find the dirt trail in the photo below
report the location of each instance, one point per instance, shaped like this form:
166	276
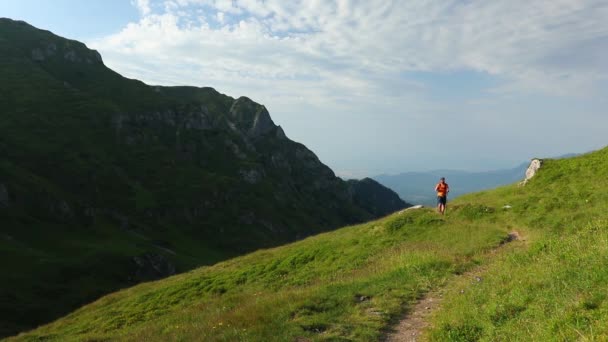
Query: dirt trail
412	327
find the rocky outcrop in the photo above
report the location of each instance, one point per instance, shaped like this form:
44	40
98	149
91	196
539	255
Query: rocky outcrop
251	176
280	133
73	52
251	118
152	266
535	165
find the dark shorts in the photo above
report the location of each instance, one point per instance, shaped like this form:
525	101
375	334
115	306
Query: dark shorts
442	199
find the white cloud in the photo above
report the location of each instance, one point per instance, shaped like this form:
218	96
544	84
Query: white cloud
332	57
220	17
515	39
143	6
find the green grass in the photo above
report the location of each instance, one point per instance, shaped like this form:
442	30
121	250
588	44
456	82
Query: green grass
555	288
354	283
347	284
60	143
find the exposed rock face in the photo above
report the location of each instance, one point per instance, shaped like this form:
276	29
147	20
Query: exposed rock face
152	266
74	52
280	134
4	199
251	176
252	125
535	165
262	123
175	153
71	56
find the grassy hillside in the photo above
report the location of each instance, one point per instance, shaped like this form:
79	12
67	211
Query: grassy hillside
349	284
352	284
557	287
106	181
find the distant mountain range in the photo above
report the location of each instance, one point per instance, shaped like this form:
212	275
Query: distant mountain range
418	187
106	181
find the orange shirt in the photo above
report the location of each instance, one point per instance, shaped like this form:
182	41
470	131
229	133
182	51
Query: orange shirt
442	189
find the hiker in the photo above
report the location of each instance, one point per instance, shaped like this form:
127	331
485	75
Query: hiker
442	189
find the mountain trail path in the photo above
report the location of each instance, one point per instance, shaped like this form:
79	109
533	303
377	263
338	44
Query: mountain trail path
413	326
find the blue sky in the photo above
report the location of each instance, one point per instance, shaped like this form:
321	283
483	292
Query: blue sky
373	86
76	19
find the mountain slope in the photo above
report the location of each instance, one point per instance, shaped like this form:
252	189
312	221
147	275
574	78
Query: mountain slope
106	181
374	196
351	284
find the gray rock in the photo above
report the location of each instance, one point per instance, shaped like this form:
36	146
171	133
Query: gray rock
251	176
262	123
535	165
280	134
363	298
279	161
38	55
152	266
118	122
51	49
250	118
4	197
235	149
271	227
71	56
197	120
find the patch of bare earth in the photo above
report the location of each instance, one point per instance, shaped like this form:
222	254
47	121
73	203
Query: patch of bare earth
416	321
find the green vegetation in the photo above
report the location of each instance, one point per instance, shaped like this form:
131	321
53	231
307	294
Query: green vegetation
347	284
354	283
106	182
98	171
554	287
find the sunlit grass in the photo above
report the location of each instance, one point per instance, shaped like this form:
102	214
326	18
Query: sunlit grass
352	284
345	284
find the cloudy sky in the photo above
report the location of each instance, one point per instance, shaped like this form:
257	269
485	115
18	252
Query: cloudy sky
373	86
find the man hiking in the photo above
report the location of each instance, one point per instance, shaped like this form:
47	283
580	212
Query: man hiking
442	189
